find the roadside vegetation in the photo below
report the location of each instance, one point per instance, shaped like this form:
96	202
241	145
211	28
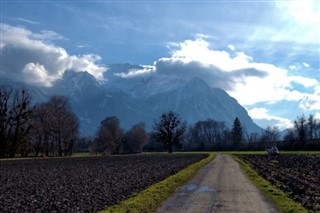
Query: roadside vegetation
151	198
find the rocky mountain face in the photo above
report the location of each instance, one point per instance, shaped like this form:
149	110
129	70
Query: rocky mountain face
143	99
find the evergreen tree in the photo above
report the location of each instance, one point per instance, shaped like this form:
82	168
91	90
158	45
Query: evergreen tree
237	134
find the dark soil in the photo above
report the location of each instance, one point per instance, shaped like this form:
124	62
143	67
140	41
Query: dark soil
297	175
82	184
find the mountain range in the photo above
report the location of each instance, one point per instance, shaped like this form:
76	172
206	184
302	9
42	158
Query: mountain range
142	99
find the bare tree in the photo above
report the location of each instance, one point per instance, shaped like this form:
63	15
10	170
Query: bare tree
271	134
169	129
15	113
40	132
5	119
206	135
109	136
300	126
134	139
56	128
312	126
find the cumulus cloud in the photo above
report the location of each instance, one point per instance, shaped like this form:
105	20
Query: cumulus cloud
33	58
262	114
248	81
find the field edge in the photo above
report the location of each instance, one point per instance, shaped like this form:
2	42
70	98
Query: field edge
282	201
150	199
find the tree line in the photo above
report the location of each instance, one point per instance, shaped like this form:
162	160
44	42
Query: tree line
52	129
212	135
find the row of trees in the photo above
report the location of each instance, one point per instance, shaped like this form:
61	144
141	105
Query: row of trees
170	133
204	135
215	135
49	129
305	134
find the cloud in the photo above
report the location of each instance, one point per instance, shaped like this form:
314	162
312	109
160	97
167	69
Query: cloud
231	47
306	64
293	67
83	45
306	82
261	115
146	69
248	81
33	58
27	21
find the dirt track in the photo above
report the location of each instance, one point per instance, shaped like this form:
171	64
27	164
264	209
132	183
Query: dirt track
220	186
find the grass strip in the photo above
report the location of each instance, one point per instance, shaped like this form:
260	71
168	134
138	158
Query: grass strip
283	202
150	199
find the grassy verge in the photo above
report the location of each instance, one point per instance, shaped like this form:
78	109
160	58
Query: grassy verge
282	201
149	199
264	152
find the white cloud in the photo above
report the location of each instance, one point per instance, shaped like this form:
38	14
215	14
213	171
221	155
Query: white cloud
83	46
137	72
306	64
293	67
243	78
33	58
36	74
263	114
317	116
306	82
231	47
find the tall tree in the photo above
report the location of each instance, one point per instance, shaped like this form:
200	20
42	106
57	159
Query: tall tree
134	139
56	128
15	113
109	136
271	134
312	127
169	129
206	135
300	126
237	134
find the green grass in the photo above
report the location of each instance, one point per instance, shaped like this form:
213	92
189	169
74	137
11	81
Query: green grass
264	152
74	155
150	199
281	199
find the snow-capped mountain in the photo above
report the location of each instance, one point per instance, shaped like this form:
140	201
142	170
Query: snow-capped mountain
142	99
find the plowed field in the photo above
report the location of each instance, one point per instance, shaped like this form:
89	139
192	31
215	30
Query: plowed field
82	184
297	175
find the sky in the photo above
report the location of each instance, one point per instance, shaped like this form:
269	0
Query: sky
266	54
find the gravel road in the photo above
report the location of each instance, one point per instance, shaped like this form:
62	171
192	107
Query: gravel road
220	186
